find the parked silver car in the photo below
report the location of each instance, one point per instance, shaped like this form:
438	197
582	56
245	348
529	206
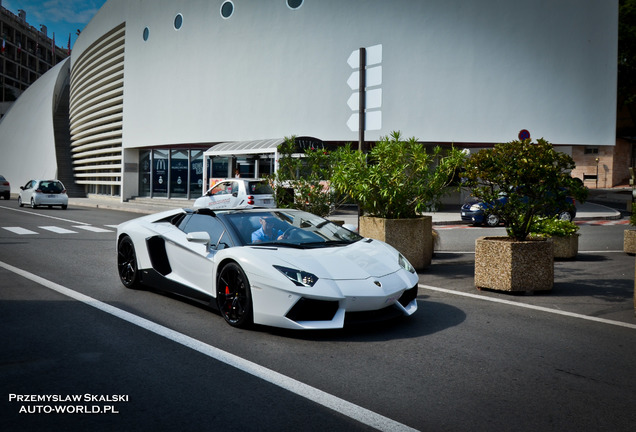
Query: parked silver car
43	193
5	188
237	193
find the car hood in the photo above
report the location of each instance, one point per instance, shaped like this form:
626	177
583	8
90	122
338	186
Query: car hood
361	260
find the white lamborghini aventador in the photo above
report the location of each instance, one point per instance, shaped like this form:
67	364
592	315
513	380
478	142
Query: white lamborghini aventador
277	267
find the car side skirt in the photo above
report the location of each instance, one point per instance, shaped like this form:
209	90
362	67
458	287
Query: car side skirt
152	278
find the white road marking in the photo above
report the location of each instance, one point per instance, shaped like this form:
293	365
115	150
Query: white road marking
315	395
529	306
58	230
92	228
43	215
20	231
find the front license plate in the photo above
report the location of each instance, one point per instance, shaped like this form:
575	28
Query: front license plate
463	213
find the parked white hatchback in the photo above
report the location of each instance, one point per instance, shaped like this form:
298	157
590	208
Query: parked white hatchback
237	193
43	193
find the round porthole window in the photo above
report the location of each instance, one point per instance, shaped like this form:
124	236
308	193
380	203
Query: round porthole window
146	34
227	9
178	21
294	4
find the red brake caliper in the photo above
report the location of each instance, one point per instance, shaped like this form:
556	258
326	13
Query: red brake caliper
227	298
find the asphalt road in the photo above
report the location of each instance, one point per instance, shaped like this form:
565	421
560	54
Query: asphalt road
467	360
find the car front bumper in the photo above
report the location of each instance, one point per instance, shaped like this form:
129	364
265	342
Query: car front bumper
327	306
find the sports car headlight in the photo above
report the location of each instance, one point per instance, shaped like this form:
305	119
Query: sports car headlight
475	207
405	264
298	277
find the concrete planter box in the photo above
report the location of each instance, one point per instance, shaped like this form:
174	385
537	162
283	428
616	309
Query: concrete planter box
629	241
412	237
566	247
504	264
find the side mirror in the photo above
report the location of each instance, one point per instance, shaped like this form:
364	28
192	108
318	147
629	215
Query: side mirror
200	237
22	187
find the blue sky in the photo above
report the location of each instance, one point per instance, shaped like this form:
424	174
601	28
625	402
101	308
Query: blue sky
63	17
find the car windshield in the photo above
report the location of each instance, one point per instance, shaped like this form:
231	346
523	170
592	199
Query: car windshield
291	228
259	188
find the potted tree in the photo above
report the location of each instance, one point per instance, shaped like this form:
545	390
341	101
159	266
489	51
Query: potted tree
301	180
564	235
393	184
520	181
629	236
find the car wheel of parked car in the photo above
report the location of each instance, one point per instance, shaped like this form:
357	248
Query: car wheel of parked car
64	207
233	296
566	216
33	204
20	204
127	263
492	220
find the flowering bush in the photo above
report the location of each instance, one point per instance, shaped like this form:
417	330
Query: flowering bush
553	227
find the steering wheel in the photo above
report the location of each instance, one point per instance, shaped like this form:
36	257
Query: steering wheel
289	232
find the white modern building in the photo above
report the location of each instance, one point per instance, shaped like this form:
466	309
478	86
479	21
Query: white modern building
152	85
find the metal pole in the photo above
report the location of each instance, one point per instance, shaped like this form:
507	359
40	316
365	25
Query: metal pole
362	98
596	173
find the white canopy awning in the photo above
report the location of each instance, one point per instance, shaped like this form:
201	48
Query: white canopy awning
234	148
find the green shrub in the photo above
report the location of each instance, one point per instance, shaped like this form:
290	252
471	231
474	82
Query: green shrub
534	177
552	227
397	178
301	181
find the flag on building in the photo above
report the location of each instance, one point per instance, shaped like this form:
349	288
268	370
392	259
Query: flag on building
3	45
69	44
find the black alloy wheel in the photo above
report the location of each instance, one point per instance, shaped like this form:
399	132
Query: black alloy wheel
127	263
233	296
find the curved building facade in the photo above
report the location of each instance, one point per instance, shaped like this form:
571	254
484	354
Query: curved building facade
156	83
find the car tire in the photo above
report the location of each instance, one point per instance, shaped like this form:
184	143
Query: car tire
64	207
233	296
566	216
127	263
492	220
20	203
33	206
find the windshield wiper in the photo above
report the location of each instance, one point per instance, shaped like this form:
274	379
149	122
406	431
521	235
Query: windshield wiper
275	243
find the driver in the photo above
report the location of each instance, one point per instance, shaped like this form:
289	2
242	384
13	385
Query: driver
267	232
